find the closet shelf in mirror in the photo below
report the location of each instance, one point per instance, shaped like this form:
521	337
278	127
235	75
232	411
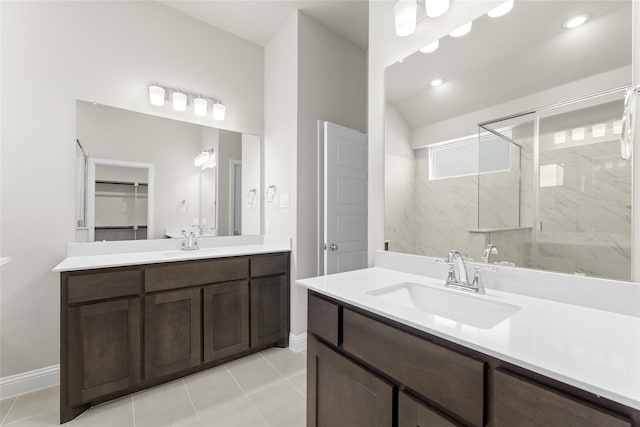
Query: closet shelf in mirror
141	184
493	230
119	227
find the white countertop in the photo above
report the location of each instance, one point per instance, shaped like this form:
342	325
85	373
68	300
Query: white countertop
594	350
86	256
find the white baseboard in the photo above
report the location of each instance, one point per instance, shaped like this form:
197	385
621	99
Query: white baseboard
27	382
298	343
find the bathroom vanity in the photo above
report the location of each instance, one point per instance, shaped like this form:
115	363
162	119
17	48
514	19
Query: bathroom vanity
385	348
133	320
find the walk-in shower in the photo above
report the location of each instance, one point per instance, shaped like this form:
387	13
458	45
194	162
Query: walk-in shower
565	202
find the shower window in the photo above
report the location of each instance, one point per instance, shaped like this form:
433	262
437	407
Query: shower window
464	158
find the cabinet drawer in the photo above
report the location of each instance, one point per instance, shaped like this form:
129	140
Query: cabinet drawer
186	273
523	403
97	286
324	319
265	265
413	413
451	380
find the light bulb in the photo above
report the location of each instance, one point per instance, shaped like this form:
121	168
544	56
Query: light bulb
577	134
156	95
436	82
501	10
461	31
617	127
431	47
179	101
559	137
598	130
405	12
575	22
200	107
219	111
436	8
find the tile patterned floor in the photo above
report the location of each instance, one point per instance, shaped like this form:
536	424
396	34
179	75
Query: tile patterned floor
267	389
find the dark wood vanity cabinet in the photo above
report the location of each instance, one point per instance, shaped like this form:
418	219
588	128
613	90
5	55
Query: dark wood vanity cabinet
172	341
426	381
225	320
345	394
103	342
124	329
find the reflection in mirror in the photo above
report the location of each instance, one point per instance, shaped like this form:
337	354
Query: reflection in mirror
518	147
141	177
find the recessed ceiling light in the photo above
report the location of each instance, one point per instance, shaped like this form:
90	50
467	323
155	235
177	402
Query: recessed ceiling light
431	47
501	10
575	22
436	82
461	31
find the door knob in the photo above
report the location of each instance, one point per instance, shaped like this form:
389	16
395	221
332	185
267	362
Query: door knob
333	247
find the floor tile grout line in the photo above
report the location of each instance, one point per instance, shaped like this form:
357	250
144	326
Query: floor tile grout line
9	410
193	405
133	411
246	396
30	415
28	418
286	377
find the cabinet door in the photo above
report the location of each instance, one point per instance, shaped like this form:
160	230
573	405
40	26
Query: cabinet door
341	393
226	320
521	402
269	310
413	413
172	332
103	349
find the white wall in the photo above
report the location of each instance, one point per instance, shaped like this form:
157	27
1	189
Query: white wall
280	136
52	54
384	49
331	86
311	74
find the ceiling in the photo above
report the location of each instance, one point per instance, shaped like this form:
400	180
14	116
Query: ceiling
523	52
258	20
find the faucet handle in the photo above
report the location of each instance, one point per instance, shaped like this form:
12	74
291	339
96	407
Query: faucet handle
477	279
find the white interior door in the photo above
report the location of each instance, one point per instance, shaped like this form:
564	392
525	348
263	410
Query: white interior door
344	184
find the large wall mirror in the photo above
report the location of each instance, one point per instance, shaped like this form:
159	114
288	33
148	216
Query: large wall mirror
509	136
146	177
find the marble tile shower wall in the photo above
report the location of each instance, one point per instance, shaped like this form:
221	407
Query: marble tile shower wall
586	221
400	204
445	211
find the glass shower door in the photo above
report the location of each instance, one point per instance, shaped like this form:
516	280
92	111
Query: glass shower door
583	215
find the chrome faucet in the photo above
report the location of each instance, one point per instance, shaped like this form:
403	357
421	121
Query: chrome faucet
490	250
457	277
189	242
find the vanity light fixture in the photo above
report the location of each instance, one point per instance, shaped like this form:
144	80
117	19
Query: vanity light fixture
431	47
598	130
179	101
461	31
575	22
501	10
435	8
156	95
405	13
559	137
201	158
200	106
577	134
219	111
436	82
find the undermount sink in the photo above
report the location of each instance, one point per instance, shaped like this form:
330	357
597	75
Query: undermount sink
470	309
179	252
